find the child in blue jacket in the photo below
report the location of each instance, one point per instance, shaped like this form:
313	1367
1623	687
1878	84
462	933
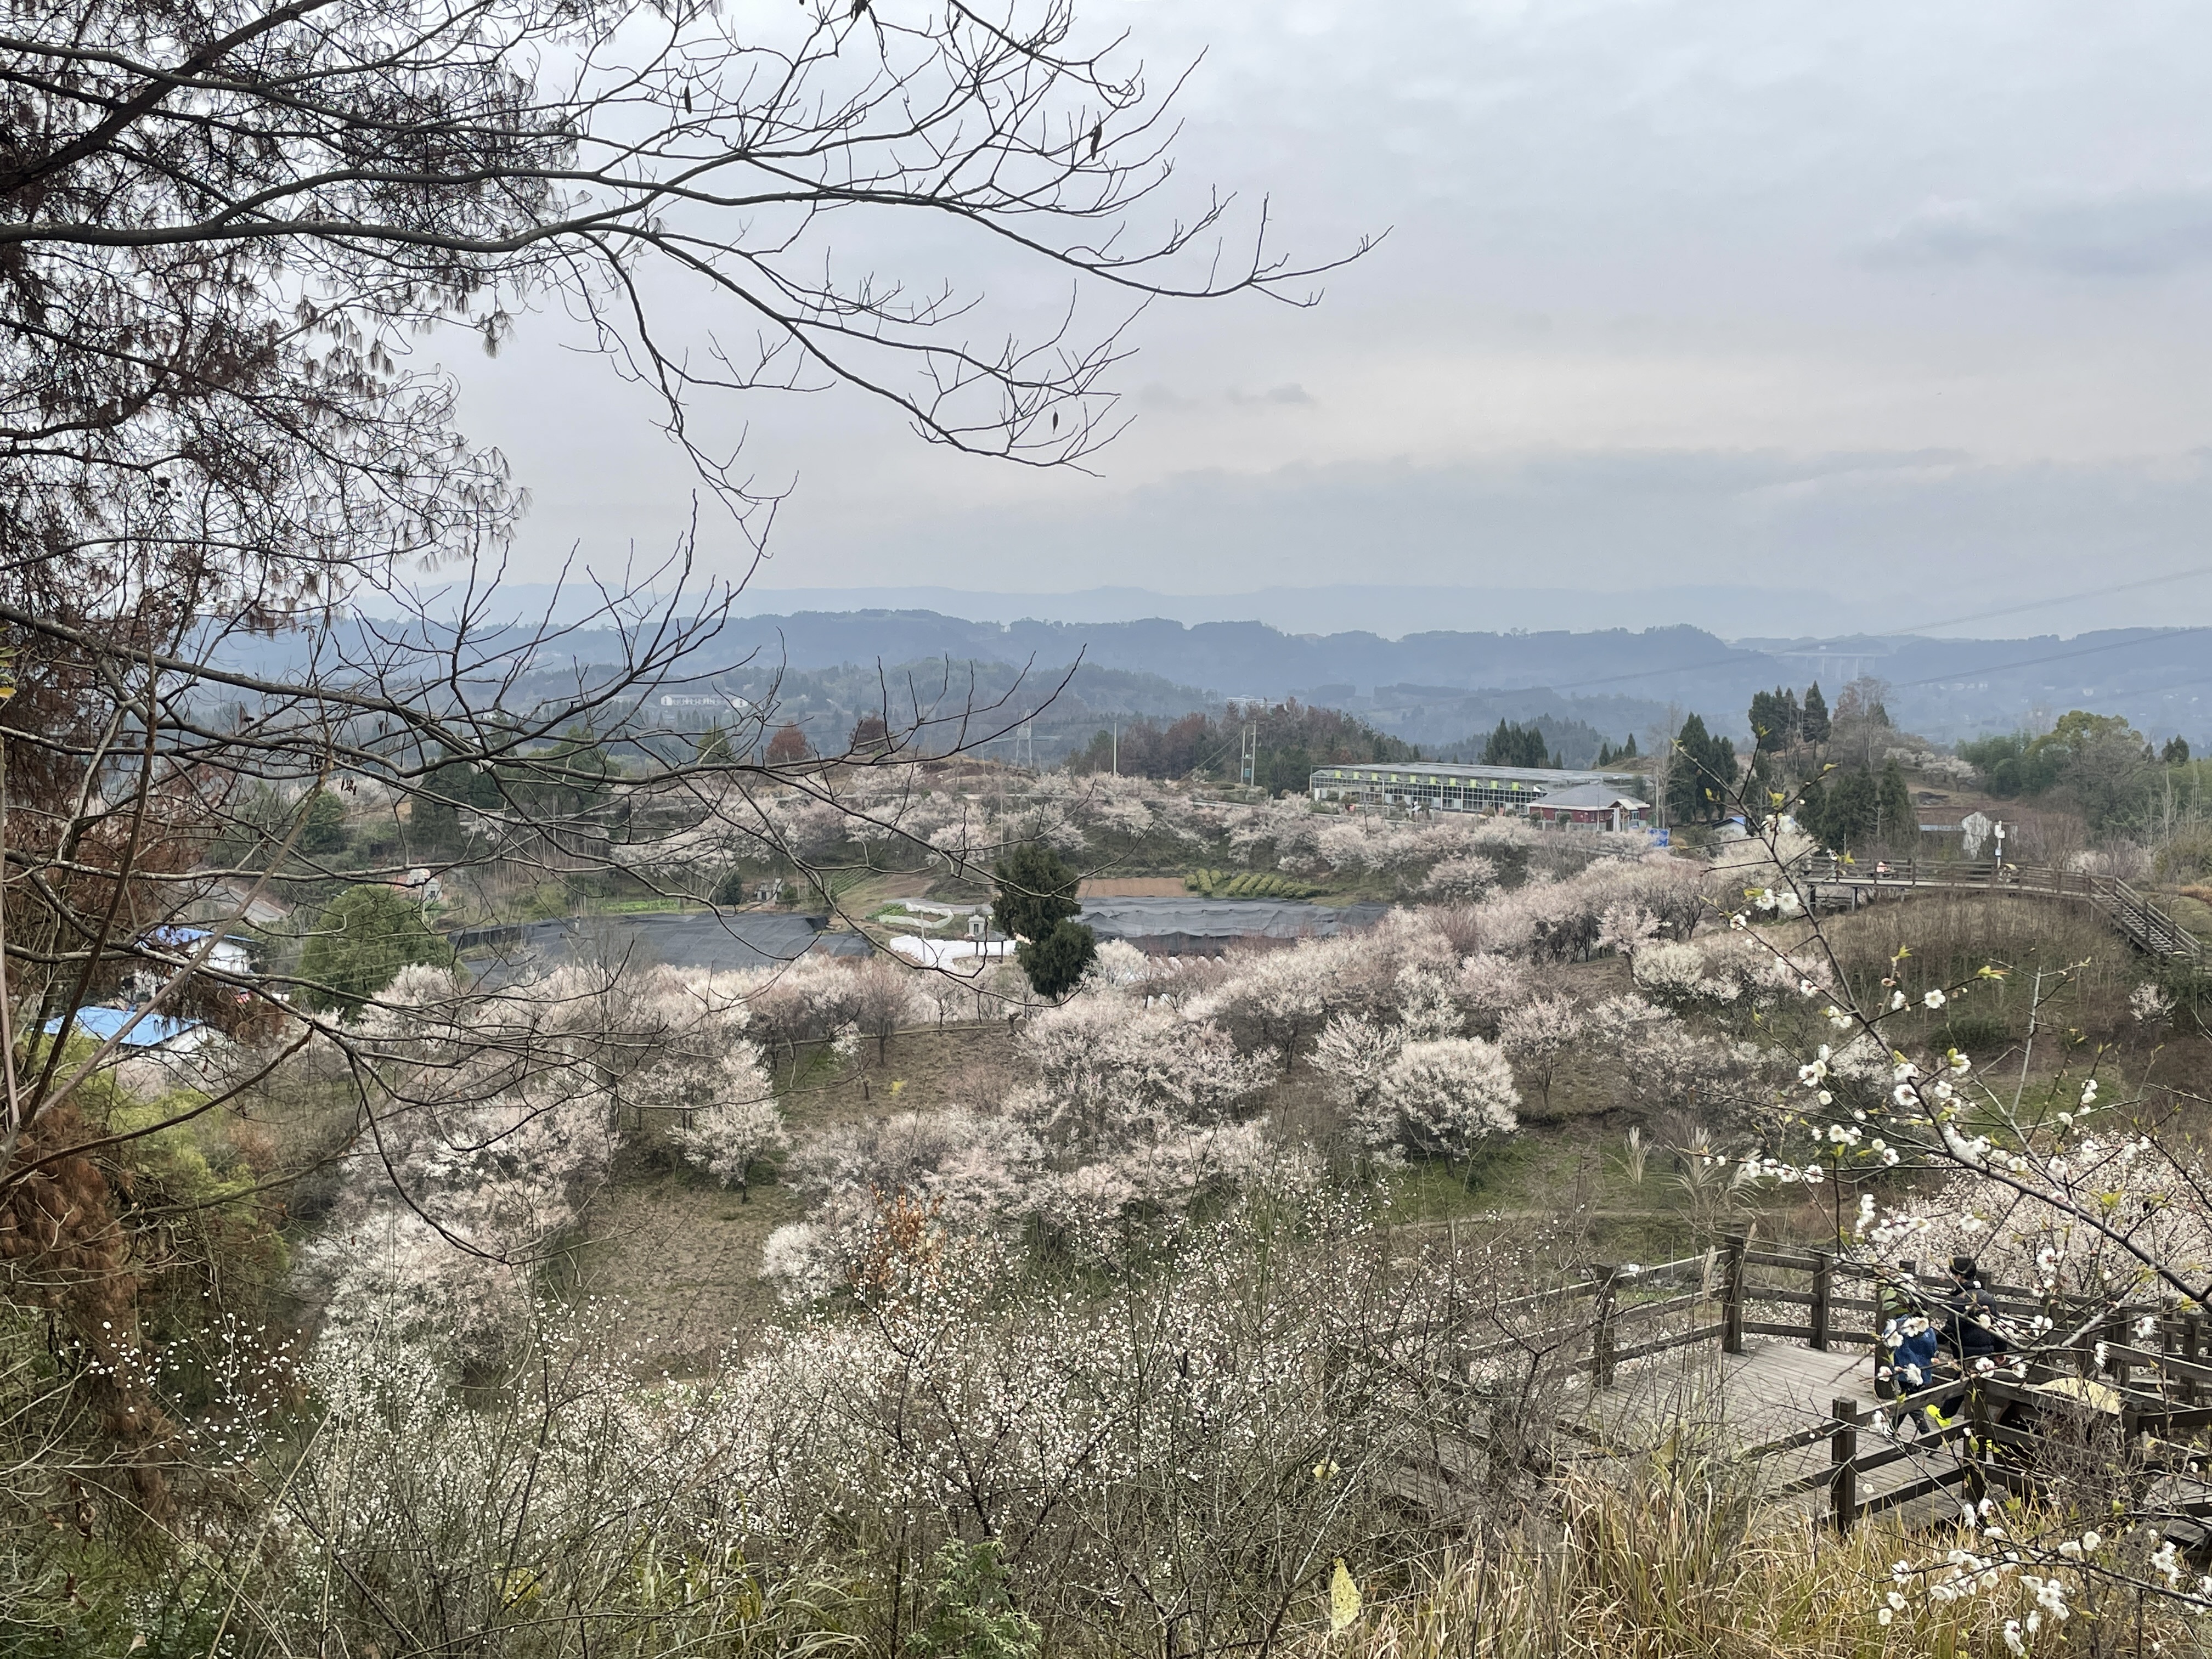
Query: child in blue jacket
1912	1342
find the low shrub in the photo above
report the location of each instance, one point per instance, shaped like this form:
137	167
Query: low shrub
2187	856
1979	1033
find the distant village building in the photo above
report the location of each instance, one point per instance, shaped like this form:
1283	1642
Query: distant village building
232	953
1598	805
128	1028
1444	786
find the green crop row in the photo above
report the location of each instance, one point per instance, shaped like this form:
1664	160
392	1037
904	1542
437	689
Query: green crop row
1247	883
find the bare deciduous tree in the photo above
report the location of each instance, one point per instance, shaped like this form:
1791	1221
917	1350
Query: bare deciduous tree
224	230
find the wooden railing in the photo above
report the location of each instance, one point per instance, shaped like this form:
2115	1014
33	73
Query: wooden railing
1830	880
1609	1317
2160	1391
1623	1302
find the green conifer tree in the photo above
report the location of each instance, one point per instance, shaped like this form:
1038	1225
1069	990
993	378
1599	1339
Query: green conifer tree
1703	781
1898	826
1813	718
1037	904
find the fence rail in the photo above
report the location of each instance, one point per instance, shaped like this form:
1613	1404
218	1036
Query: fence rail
2154	1392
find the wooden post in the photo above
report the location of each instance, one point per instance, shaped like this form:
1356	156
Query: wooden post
1824	1279
2116	1363
1601	1364
1843	1456
2192	1349
1734	1245
2040	1368
1977	1439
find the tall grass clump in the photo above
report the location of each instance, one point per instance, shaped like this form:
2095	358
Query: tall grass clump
1951	935
1657	1562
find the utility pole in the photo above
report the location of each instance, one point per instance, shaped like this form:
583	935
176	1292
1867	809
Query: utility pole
1249	765
1117	748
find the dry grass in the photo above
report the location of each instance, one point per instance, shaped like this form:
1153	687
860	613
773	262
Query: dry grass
1953	935
1663	1563
682	1255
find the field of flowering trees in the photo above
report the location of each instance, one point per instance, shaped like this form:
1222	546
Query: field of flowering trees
954	820
366	1295
848	1304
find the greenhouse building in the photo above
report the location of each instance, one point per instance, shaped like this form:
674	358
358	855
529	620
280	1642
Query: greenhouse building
1451	786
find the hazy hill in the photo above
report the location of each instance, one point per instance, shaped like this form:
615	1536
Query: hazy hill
1439	688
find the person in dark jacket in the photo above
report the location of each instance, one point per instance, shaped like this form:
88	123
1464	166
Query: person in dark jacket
1970	1331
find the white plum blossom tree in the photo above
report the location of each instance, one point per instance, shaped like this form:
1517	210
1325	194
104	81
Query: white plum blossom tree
1469	876
1490	985
1540	1035
1444	1099
1119	965
739	1126
1351	1054
1425	1008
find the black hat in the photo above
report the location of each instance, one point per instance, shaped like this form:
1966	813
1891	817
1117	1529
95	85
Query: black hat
1962	1267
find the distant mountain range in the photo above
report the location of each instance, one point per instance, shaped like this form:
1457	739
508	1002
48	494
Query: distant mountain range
1440	688
1389	611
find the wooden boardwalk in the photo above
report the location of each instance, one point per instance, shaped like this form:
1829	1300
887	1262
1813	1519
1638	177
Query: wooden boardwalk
1832	883
1766	1358
1782	1396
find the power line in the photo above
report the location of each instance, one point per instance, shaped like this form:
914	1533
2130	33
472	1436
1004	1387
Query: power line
2054	656
2068	599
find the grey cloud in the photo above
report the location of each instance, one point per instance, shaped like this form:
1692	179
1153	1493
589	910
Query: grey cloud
1903	539
1165	399
1632	189
2136	233
1155	396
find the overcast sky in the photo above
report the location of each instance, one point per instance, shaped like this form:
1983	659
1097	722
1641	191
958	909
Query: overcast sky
1887	299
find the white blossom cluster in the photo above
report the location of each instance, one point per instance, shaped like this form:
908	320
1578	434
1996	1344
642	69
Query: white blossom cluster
2047	1579
1729	971
953	1393
495	1117
1130	1113
959	821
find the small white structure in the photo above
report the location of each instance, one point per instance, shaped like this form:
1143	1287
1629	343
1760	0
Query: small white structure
959	956
229	954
